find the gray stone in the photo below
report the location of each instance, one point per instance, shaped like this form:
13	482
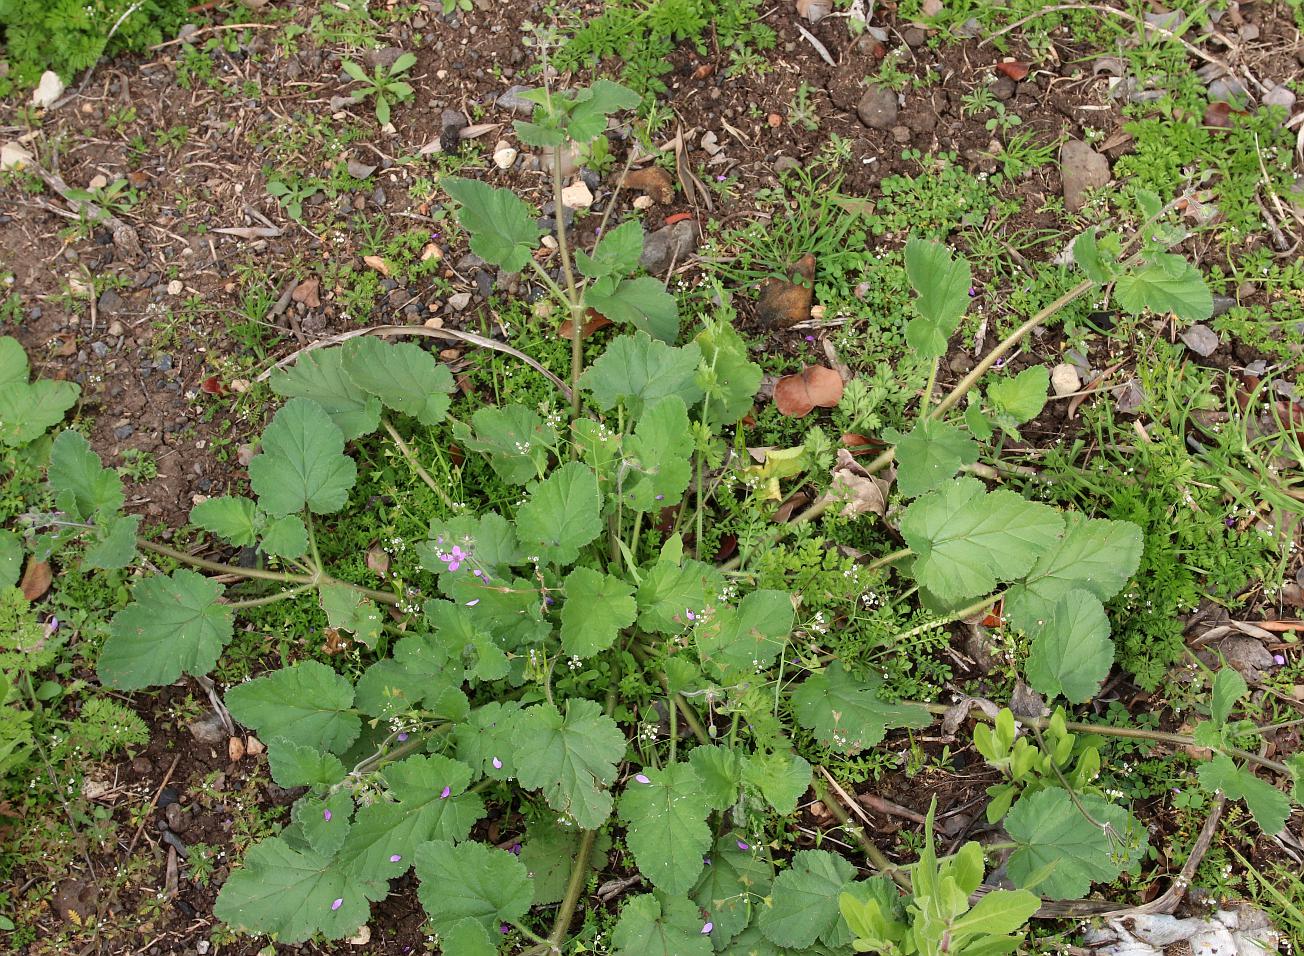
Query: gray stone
514	101
110	302
669	244
378	197
1081	169
123	432
1280	96
177	818
785	164
208	729
1201	340
878	108
1003	88
914	37
100	349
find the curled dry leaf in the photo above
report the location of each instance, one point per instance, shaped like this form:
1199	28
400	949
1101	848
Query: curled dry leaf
254	746
861	492
235	749
815	385
335	643
814	10
378	560
595	322
377	263
1014	69
36	579
308	292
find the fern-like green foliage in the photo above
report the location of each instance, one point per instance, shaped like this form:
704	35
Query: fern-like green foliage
641	34
68	36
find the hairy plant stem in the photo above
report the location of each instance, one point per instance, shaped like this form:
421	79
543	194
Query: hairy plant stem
572	291
1131	733
260	574
417	467
877	858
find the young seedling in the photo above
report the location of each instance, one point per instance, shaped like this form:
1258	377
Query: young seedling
383	85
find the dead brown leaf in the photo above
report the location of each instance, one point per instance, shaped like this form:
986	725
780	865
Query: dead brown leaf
1014	69
307	292
36	579
797	395
862	492
652	180
235	749
595	322
377	263
378	560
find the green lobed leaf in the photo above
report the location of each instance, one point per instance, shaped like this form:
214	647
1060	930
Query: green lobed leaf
1166	284
82	485
429	801
929	454
307	704
501	226
721	772
658	925
350	611
1229	688
174	625
781	779
13	361
295	894
312	826
571	757
967	540
548	852
285	537
1020	398
320	376
515	439
113	544
1268	805
294	765
11	557
847	714
941	284
1086	253
803	902
665	813
642	303
732	887
486	739
637	370
467	937
1071	651
421	673
1093	555
27	411
726	377
616	253
230	517
748	637
471	881
673	594
588	115
656	464
598	606
563	513
403	376
1054	838
302	463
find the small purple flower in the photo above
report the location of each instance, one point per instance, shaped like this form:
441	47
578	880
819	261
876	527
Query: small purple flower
707	927
661	497
337	904
744	846
706	861
1279	659
326	815
691	615
972	290
53	624
642	778
443	794
402	737
473	602
810	338
478	573
514	849
1229	522
721	178
395	858
498	764
504	929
